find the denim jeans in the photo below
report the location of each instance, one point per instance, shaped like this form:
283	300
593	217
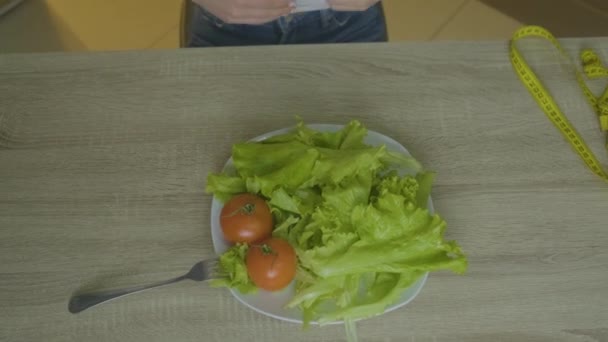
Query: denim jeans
314	27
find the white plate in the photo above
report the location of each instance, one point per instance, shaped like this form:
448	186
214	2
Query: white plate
272	303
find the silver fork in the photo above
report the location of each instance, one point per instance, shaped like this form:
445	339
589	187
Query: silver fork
201	271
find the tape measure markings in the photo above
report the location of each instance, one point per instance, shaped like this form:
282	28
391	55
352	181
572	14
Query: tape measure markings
592	67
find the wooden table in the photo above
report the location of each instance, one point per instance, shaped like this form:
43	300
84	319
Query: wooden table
103	160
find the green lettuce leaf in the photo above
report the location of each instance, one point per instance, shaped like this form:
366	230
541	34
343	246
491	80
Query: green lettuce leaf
233	270
425	183
350	137
224	186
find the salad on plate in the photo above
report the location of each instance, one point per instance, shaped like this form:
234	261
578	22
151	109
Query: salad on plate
345	226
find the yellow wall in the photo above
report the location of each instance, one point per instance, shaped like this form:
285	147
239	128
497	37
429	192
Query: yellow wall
51	25
75	25
43	25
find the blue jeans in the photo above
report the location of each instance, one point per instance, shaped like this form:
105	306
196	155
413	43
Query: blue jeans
315	27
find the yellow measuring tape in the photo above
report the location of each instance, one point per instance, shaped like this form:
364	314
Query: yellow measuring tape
592	67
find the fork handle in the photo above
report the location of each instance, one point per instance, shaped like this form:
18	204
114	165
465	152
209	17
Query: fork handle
84	301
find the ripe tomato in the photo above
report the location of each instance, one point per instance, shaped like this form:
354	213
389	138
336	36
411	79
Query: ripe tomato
271	264
246	218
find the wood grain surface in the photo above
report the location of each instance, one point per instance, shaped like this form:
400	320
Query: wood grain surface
103	159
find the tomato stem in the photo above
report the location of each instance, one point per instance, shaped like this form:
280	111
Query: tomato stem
247	209
267	250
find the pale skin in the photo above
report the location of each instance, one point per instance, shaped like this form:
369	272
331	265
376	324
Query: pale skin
262	11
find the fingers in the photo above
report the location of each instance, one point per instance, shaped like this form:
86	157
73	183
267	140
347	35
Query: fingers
351	5
264	4
250	11
254	16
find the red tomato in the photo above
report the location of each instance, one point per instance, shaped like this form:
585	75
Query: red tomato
246	218
271	265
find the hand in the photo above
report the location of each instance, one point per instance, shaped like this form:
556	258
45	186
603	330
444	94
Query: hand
247	11
351	5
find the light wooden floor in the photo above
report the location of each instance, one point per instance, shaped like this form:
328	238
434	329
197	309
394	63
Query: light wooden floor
74	25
